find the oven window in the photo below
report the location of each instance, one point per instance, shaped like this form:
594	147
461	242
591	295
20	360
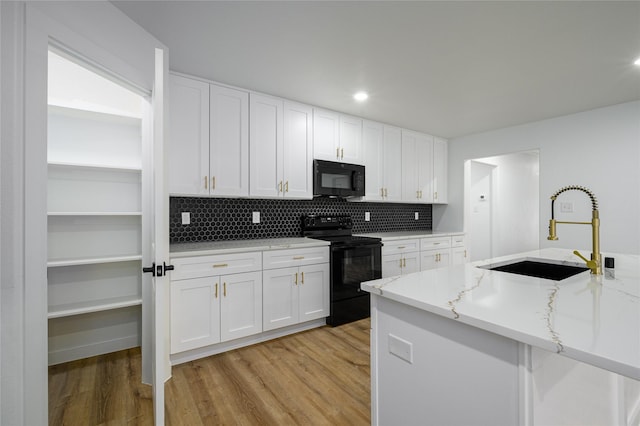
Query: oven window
336	180
351	266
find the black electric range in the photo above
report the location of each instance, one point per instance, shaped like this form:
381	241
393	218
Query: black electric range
354	259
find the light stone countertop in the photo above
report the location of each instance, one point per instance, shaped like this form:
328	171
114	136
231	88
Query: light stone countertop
592	319
400	235
241	246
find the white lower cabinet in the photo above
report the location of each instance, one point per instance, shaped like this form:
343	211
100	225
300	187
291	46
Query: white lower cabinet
294	295
409	255
459	252
400	257
435	252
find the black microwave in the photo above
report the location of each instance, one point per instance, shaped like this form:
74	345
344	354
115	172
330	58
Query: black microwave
333	179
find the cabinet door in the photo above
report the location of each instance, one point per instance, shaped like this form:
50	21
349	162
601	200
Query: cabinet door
424	162
372	140
195	313
391	265
440	159
326	135
314	292
189	137
409	167
392	162
280	297
432	259
298	151
229	142
350	139
410	262
459	256
240	305
266	142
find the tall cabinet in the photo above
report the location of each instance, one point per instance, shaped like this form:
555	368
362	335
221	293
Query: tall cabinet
95	227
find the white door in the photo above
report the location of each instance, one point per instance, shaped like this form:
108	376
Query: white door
424	158
350	139
297	153
265	130
440	170
241	305
326	135
392	163
372	140
85	31
314	292
280	300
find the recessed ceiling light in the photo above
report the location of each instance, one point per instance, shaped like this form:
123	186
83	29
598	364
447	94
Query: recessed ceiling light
637	62
361	96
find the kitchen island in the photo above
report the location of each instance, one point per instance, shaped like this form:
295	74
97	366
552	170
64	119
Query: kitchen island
468	345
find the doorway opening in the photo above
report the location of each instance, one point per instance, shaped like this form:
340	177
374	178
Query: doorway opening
502	204
95	225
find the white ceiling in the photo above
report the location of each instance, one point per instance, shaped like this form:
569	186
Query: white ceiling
446	68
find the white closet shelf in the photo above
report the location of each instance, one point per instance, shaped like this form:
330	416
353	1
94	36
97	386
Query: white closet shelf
94	214
79	308
95	166
93	111
92	260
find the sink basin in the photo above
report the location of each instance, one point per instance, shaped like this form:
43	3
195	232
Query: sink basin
537	268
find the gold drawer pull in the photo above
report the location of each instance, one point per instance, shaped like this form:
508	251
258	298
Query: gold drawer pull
401	247
342	153
286	187
220	265
216	293
213	182
206	182
337	152
302	273
436	244
296	279
298	257
224	289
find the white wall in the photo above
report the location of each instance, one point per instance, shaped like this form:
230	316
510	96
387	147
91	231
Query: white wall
480	199
599	149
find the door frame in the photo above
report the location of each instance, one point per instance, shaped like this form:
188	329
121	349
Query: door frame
86	28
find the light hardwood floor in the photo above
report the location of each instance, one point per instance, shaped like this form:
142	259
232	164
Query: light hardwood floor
318	377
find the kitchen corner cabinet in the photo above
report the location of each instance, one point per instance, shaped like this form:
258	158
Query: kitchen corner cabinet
94	232
297	292
281	148
215	299
209	139
382	154
337	137
400	257
459	251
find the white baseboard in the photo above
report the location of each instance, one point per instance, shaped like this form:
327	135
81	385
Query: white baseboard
99	348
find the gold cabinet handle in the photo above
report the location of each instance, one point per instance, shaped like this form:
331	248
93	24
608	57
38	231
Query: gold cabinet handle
435	195
337	152
404	262
220	265
401	247
436	244
280	187
386	193
206	182
213	182
216	292
382	192
465	253
224	289
286	187
417	194
401	263
342	153
302	278
298	257
295	281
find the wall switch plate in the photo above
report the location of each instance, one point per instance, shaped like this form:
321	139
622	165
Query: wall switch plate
417	216
566	207
367	216
256	217
401	348
186	218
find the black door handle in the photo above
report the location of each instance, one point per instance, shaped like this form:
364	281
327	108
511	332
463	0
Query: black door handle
151	269
168	267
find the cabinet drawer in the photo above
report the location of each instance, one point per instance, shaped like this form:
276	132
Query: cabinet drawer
435	243
220	264
295	257
458	240
400	246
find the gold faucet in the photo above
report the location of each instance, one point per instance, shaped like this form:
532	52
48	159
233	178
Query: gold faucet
595	264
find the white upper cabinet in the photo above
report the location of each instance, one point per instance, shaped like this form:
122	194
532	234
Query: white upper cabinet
188	136
373	158
392	161
417	167
440	159
337	137
209	139
298	151
229	141
281	148
266	143
350	139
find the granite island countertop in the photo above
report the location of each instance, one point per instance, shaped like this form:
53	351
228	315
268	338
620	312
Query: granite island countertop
206	248
592	319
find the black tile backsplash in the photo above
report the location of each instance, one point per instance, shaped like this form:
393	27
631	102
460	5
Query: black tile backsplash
231	218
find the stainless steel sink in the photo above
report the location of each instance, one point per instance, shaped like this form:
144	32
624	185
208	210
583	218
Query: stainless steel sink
539	268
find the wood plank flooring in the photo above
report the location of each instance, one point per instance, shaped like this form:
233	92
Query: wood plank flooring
317	377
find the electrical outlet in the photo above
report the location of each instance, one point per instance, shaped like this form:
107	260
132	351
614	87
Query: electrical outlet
186	218
417	216
256	217
401	348
566	207
367	216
